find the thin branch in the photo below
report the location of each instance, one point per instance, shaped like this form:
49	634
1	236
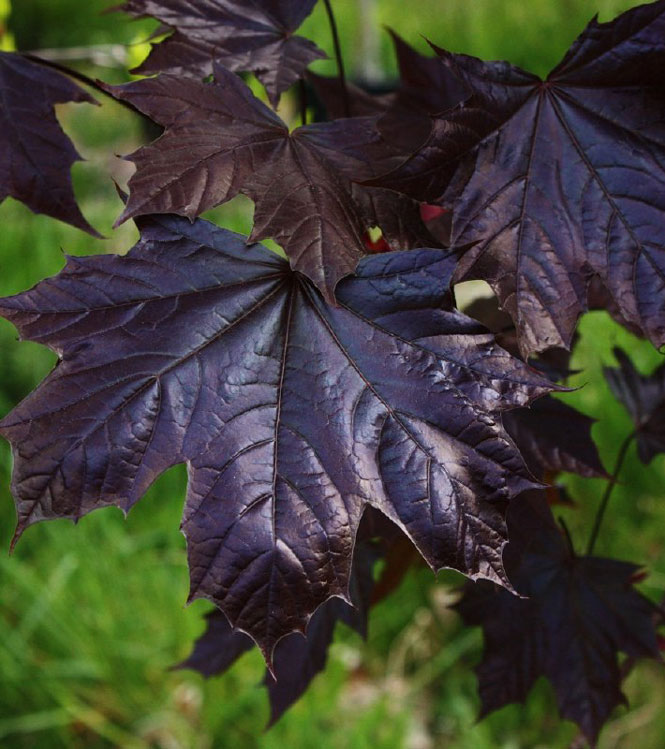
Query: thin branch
338	55
303	102
608	492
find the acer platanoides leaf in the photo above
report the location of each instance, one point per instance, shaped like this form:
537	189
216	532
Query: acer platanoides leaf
241	36
292	415
35	154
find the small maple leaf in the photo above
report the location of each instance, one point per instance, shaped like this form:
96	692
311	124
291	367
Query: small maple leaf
567	181
293	415
221	140
644	399
580	612
256	37
35	154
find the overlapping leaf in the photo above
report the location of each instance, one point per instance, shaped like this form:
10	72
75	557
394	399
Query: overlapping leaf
581	612
644	399
298	659
569	184
35	154
241	36
292	414
221	140
552	436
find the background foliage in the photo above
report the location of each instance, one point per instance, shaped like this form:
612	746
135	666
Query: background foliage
91	618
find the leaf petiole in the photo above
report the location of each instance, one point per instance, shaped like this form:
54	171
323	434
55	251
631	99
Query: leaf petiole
608	491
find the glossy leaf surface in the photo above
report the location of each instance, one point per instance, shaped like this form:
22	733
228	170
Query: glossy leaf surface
568	185
241	36
221	140
292	415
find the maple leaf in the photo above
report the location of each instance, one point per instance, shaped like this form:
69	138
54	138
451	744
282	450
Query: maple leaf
333	96
298	659
427	87
293	415
256	37
221	140
35	154
644	399
569	184
552	436
580	613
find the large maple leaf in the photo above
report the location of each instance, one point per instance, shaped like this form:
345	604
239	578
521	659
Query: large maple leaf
568	184
580	613
35	154
221	140
293	415
241	36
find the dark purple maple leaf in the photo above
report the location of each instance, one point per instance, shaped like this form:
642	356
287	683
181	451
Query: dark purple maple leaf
427	87
569	183
35	154
298	659
293	415
221	140
644	399
552	437
256	36
580	613
332	95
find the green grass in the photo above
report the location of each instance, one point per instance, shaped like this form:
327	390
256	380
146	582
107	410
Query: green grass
92	616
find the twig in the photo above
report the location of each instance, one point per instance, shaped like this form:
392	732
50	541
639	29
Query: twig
608	492
338	55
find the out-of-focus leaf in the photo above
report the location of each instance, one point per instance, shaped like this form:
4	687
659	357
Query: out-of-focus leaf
644	399
581	612
35	154
553	436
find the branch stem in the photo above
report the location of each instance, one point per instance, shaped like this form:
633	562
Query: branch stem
608	491
302	91
338	55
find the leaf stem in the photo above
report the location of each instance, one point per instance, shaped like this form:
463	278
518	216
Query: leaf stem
608	491
302	91
338	55
569	538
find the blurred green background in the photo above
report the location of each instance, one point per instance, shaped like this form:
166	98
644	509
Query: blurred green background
92	617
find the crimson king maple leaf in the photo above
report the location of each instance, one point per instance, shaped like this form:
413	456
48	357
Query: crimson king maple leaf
221	140
567	182
35	154
292	415
256	37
